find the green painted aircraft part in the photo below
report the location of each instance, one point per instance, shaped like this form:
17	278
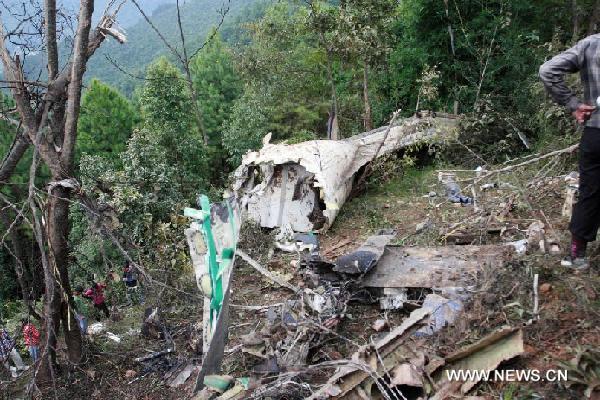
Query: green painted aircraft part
217	264
214	267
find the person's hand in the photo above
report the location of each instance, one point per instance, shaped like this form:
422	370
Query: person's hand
583	113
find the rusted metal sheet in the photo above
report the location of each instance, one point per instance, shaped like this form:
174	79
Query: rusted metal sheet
432	267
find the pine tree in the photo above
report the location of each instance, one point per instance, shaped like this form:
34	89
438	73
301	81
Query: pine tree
218	85
106	122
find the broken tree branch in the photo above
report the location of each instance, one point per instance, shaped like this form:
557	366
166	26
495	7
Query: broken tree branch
369	166
154	355
569	149
266	272
119	36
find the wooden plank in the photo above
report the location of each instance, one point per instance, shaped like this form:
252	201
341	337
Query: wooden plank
428	267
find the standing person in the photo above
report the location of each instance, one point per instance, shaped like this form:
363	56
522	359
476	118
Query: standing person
582	58
81	309
7	350
31	336
96	293
131	282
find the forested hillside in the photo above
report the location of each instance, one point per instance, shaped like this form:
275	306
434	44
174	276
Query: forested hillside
105	142
124	66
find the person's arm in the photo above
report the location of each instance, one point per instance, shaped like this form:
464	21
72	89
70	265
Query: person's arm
552	74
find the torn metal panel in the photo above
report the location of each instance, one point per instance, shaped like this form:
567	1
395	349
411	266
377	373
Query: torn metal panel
432	267
406	374
289	200
304	185
484	355
365	257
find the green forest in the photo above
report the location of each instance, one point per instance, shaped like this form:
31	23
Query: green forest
98	168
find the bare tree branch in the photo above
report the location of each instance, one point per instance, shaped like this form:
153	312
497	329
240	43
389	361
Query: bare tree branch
190	82
80	58
13	72
51	43
160	35
16	152
30	83
223	12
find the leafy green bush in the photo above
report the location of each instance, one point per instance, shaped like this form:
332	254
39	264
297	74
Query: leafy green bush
488	136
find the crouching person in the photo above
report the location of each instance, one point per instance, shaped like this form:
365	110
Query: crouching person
96	293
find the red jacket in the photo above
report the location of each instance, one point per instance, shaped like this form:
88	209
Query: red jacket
96	293
31	335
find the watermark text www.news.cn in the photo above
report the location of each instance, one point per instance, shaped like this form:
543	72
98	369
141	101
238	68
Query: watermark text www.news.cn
508	375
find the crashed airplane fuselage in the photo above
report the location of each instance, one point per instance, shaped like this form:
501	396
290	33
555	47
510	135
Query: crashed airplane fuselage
303	186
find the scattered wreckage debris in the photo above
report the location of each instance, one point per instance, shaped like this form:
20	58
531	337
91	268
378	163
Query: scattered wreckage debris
394	362
443	311
395	365
99	328
371	364
183	376
223	387
297	242
154	355
304	185
434	284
